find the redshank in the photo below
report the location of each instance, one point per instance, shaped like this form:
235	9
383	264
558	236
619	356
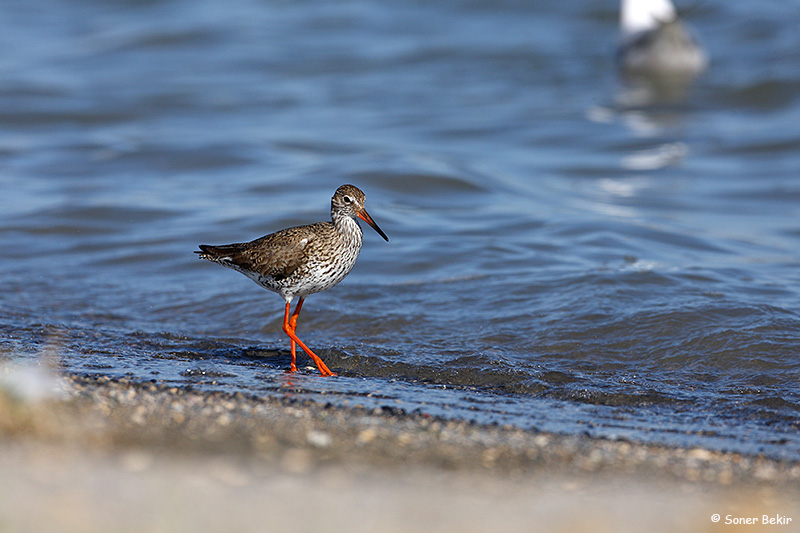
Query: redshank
299	261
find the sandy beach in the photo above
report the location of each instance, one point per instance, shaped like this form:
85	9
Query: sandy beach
113	455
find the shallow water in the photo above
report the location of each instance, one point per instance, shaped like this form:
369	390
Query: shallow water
558	258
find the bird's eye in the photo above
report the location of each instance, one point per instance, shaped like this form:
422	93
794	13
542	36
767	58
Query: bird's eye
347	199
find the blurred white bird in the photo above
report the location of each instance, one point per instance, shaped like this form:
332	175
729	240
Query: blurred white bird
655	41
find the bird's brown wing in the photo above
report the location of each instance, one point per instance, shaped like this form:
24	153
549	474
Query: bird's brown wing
276	255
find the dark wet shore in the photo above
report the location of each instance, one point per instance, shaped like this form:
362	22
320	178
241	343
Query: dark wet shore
166	451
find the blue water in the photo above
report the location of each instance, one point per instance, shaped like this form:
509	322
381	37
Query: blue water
559	258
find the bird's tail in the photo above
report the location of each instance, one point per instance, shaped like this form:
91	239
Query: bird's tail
217	253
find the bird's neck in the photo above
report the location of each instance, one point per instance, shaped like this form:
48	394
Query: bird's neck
347	227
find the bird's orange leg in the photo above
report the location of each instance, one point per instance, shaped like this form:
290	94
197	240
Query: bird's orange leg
293	320
289	327
293	327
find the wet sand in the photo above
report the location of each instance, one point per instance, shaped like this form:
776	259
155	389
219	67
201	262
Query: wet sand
114	455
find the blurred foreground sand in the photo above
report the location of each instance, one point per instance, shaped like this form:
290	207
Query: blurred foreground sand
126	457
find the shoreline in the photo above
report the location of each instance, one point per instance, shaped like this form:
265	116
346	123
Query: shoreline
121	428
110	412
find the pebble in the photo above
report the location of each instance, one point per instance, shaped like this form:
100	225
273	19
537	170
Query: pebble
319	439
366	436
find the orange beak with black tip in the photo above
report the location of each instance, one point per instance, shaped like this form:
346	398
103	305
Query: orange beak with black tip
363	215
